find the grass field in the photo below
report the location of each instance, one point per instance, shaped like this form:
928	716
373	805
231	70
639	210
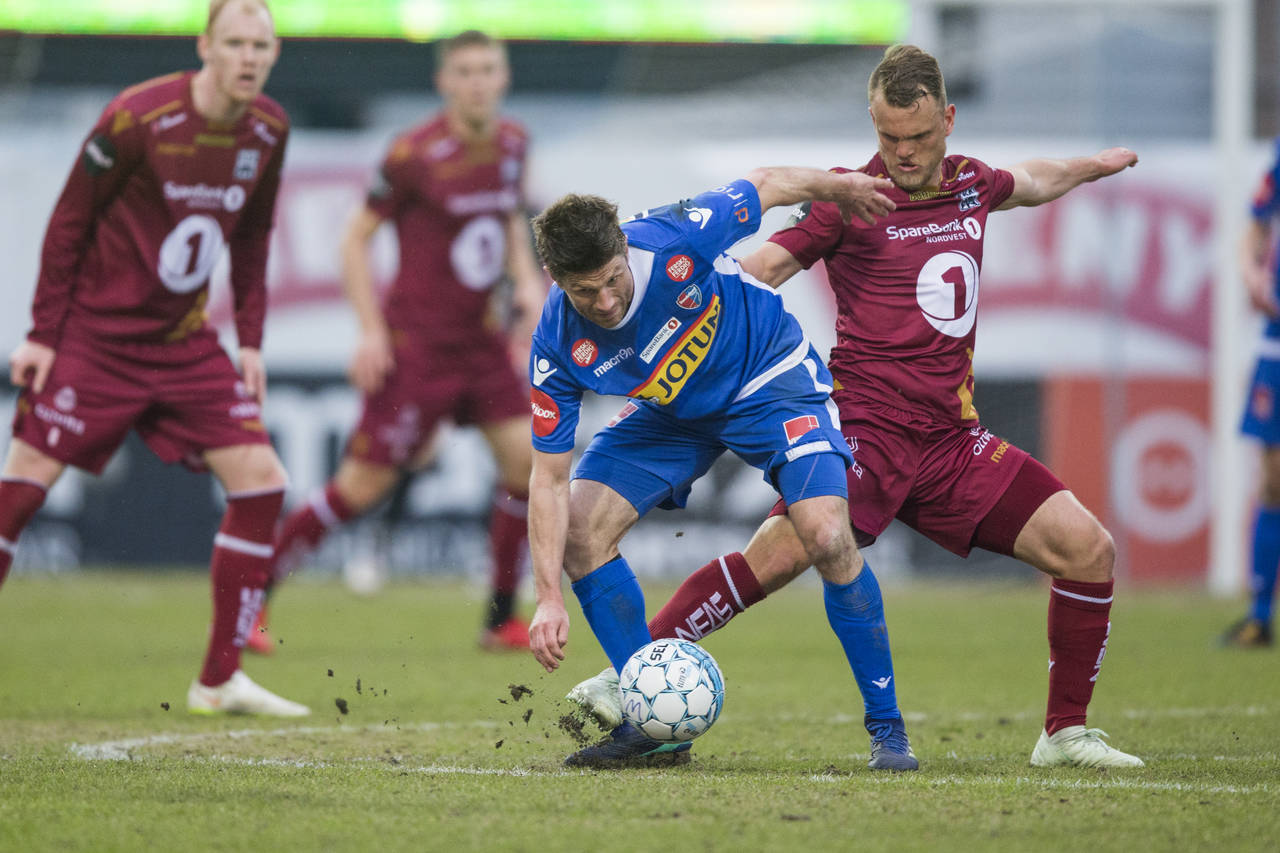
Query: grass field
436	753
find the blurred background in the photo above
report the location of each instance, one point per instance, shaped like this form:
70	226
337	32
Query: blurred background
1114	336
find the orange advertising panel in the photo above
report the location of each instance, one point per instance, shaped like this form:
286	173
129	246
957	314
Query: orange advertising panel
1136	453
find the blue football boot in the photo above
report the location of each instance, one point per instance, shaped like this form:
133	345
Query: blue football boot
627	746
890	749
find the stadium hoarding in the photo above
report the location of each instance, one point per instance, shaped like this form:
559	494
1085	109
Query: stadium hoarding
712	21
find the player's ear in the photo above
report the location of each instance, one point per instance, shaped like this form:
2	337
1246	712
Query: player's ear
202	46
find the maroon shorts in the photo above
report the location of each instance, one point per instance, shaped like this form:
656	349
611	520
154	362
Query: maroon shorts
939	479
182	399
477	385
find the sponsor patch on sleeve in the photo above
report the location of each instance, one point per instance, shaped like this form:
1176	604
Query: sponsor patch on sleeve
546	414
99	154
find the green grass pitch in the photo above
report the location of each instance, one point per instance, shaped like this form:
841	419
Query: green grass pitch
437	753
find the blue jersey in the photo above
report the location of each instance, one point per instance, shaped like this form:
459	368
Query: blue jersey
700	334
1266	208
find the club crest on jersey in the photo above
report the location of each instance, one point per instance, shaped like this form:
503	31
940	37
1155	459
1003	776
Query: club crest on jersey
65	399
680	268
546	414
246	164
797	428
969	199
690	298
673	372
584	352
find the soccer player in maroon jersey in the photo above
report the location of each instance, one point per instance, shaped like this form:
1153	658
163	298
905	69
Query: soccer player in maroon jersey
453	187
906	293
175	169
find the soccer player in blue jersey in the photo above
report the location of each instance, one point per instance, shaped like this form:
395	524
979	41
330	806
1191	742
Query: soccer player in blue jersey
1258	264
654	310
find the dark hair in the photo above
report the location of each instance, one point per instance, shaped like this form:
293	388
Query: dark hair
905	75
466	38
578	234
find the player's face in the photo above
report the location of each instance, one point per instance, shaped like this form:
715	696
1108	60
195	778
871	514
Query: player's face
472	81
603	296
239	51
913	140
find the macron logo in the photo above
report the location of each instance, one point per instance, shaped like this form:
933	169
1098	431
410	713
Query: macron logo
541	370
882	683
700	215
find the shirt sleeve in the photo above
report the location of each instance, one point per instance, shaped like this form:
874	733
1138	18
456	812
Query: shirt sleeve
392	185
1265	202
108	157
813	233
249	246
1001	187
555	399
714	220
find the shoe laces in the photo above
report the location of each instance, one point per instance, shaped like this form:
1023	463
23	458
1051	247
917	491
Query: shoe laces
889	735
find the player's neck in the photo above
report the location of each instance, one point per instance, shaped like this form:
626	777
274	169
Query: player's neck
211	104
481	130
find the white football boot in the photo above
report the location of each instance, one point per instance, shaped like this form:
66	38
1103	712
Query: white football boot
1076	746
600	698
240	695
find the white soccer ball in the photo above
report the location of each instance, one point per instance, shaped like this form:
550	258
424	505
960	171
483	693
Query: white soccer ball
672	690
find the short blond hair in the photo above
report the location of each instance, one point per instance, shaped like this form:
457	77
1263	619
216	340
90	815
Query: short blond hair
905	75
216	7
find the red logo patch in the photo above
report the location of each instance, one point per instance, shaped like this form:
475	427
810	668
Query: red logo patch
797	427
546	414
623	413
680	267
585	352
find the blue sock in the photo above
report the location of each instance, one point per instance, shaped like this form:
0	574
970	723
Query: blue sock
856	613
613	603
1266	557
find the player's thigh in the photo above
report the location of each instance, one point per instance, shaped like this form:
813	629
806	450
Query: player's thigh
398	422
1063	539
246	468
599	516
90	401
24	462
363	484
648	457
509	441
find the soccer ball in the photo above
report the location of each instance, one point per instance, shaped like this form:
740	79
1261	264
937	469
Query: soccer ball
672	690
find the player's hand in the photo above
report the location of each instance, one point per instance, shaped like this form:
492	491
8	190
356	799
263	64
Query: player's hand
1114	160
373	360
1260	286
549	634
29	365
865	198
254	373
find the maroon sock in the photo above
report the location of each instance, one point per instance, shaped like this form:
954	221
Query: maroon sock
1079	624
305	527
708	599
508	542
239	570
19	500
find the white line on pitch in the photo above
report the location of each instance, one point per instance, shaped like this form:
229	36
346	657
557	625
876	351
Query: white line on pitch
1073	784
122	749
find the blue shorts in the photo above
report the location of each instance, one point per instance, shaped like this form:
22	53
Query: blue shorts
652	459
1261	413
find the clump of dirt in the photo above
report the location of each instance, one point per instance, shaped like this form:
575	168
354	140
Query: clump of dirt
164	705
527	714
498	745
574	728
342	705
519	691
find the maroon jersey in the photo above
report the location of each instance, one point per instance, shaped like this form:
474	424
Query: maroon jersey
156	194
450	200
906	288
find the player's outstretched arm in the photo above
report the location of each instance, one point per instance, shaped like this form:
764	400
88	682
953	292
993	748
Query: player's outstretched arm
1044	179
29	365
548	528
855	193
771	264
373	358
1255	267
